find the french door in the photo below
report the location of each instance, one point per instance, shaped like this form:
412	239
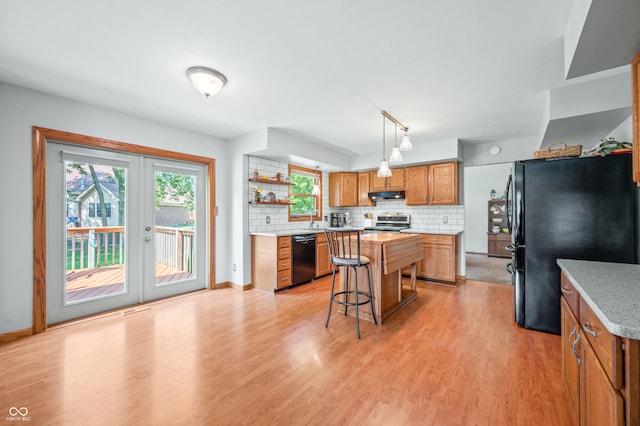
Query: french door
121	229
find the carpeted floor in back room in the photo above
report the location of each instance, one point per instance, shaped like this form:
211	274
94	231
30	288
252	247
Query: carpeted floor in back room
481	267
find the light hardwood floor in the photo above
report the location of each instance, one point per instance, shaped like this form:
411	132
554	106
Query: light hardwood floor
452	357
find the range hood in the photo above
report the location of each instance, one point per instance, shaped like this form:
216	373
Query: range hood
387	195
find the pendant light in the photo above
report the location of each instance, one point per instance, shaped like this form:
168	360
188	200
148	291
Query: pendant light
395	156
383	170
406	144
316	184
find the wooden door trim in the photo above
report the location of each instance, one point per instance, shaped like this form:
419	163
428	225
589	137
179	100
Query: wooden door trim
40	137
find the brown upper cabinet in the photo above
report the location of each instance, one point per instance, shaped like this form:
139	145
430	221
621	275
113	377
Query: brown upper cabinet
635	70
363	190
393	183
343	189
416	185
429	184
443	183
432	184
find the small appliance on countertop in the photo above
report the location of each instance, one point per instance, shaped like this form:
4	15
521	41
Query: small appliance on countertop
390	222
335	220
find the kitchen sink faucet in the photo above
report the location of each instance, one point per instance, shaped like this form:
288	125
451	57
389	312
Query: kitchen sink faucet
311	217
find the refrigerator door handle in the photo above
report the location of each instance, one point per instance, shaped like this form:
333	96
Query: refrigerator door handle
507	205
509	247
509	268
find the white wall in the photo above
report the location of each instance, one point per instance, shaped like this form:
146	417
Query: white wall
20	109
624	132
478	183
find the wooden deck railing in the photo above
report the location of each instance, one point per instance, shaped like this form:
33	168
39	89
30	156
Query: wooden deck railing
104	246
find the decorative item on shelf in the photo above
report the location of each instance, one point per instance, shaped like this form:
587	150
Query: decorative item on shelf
256	175
563	151
271	197
279	177
265	177
256	191
493	194
496	229
606	147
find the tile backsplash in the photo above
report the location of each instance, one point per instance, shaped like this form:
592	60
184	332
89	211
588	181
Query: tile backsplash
423	217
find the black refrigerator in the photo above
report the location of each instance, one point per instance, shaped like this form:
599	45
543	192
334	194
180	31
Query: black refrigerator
572	208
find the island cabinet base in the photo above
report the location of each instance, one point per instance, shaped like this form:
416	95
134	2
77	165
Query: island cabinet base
600	371
389	255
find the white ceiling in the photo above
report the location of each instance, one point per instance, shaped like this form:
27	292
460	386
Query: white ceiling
477	71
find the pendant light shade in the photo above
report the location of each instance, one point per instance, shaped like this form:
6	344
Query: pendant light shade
406	144
206	80
395	157
316	184
384	170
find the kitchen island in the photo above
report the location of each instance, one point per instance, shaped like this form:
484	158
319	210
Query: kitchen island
600	323
389	253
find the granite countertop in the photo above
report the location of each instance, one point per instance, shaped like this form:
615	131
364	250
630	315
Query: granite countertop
305	231
612	291
387	237
431	231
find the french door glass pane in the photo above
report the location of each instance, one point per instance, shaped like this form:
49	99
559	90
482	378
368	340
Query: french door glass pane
175	207
95	231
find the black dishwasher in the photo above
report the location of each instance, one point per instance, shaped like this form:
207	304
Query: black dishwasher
303	258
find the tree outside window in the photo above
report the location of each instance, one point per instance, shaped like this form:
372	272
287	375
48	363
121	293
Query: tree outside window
303	202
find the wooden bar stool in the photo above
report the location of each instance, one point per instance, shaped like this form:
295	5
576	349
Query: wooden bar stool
344	251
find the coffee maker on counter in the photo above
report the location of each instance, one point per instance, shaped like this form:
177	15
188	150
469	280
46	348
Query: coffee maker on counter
335	220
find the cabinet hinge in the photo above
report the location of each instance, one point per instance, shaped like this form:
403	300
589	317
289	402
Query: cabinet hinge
623	346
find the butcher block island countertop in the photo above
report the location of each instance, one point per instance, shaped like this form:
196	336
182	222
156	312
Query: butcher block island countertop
389	253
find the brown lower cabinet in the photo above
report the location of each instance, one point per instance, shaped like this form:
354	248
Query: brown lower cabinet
600	370
270	262
497	243
323	264
440	260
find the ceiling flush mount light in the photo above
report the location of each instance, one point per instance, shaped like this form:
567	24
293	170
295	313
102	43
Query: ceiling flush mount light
206	80
495	150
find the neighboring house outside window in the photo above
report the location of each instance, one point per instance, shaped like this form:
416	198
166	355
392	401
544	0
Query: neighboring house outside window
96	211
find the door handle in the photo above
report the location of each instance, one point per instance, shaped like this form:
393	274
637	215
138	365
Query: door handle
575	351
509	247
586	328
509	268
147	239
147	228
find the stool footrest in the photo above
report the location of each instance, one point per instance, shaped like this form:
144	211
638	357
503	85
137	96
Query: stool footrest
367	298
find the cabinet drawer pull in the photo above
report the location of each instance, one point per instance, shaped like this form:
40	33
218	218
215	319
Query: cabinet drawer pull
284	278
586	328
573	347
565	291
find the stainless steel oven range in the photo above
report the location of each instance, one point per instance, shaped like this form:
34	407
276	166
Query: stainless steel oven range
389	223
